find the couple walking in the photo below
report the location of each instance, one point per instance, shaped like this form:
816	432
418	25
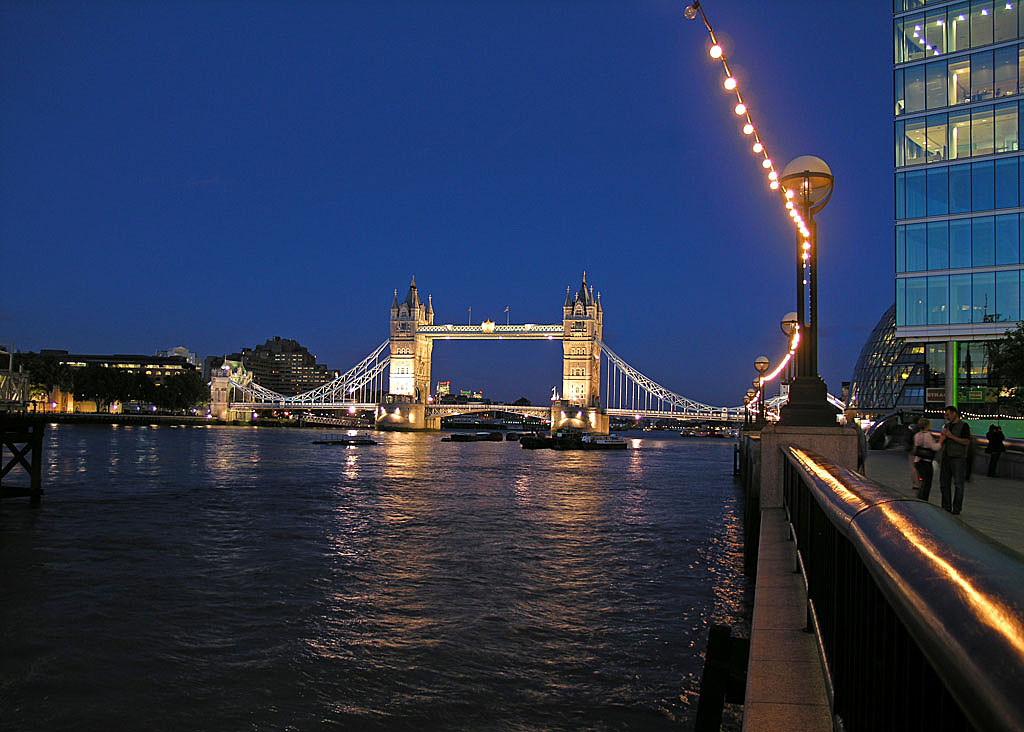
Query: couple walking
951	447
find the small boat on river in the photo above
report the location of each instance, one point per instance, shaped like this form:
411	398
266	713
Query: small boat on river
474	437
347	441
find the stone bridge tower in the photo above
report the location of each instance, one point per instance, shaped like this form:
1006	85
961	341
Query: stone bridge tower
583	320
410	354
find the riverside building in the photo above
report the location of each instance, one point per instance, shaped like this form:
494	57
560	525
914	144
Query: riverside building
959	185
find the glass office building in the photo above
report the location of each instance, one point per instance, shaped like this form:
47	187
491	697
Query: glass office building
958	102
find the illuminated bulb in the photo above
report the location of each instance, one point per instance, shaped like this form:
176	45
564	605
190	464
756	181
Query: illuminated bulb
715	51
789	193
729	83
789	204
741	108
806	245
773	176
805	256
748	129
766	163
758	147
984	11
793	214
774	185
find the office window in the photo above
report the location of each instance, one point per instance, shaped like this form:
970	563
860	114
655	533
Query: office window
981	23
958	28
917	251
983	252
984	297
982	72
1008	296
959	75
1008	239
936	134
901	248
959	243
1020	67
901	208
935	83
1006	72
959	135
938	300
900	158
916	194
1004	20
938	245
901	302
1006	127
983	186
914	139
1006	183
897	90
960	189
913	88
935	33
917	300
982	132
960	298
938	191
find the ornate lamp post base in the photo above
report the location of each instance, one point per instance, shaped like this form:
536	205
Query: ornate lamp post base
808	404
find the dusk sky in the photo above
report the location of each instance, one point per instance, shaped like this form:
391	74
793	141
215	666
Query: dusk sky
216	173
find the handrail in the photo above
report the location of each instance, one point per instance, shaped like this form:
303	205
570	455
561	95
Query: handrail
959	594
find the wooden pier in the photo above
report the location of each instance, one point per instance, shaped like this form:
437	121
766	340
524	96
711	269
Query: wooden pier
21	446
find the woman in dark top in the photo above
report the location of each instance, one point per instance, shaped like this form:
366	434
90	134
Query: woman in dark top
995	448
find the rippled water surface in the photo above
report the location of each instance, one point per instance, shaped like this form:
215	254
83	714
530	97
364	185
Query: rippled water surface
245	579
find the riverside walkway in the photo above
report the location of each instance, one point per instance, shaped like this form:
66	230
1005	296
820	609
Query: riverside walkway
993	506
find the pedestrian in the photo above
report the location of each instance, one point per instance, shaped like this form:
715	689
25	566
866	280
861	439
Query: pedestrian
995	448
926	447
862	442
908	446
956	437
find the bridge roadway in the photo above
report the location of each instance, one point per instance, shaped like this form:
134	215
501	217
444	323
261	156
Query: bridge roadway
450	410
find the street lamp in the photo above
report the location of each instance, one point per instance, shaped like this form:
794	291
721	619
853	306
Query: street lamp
751	393
762	364
811	182
789	326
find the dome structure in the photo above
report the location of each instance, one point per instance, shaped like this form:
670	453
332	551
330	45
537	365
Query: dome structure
889	373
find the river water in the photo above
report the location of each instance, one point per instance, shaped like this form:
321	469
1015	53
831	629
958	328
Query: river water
245	579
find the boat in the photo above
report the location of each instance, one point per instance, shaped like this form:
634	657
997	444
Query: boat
536	442
346	441
603	442
474	437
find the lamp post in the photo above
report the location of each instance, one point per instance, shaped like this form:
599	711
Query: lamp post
811	182
761	364
751	393
789	327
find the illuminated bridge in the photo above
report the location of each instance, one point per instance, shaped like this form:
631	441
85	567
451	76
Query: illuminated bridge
393	380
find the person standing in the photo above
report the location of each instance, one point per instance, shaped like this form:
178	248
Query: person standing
995	448
956	437
925	448
862	442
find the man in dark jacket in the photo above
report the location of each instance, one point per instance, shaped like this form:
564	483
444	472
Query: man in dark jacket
995	448
956	437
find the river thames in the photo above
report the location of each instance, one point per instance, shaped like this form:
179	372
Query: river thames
246	579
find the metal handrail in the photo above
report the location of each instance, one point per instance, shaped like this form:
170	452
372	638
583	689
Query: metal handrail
959	594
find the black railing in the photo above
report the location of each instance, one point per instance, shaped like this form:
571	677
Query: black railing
920	618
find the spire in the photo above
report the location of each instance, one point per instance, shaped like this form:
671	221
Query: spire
412	299
430	305
394	303
583	295
568	299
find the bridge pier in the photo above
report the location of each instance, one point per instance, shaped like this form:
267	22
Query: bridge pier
572	416
405	417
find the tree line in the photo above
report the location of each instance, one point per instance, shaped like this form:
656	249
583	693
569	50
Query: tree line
108	385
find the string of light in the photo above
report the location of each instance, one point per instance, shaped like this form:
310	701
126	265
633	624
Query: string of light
786	195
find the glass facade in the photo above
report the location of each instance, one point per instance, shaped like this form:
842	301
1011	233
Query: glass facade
958	92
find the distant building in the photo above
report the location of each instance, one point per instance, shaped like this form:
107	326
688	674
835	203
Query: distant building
444	388
284	366
158	368
186	354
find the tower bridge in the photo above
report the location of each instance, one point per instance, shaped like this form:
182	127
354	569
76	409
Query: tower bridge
393	381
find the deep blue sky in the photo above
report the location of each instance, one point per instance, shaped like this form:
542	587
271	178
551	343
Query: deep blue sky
212	174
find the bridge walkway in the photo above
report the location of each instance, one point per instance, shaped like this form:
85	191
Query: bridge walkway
993	506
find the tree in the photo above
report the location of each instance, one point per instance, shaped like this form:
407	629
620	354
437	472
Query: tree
45	372
1006	364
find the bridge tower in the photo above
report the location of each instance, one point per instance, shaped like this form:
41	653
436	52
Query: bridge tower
583	320
410	353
